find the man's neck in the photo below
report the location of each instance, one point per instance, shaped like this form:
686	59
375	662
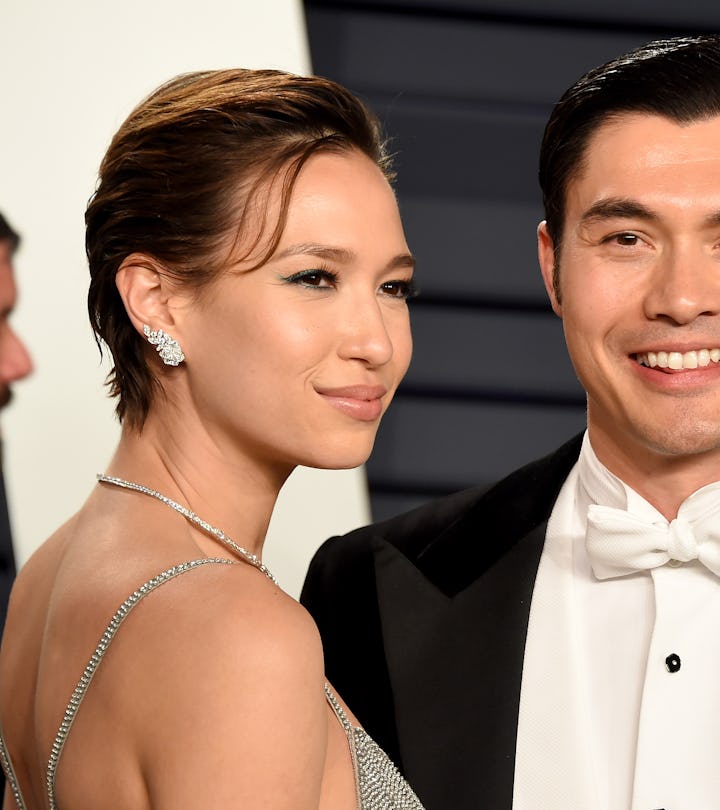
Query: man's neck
665	481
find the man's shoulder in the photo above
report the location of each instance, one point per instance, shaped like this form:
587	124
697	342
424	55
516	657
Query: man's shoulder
410	528
517	503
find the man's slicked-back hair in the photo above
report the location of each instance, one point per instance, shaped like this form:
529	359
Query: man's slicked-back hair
180	182
678	79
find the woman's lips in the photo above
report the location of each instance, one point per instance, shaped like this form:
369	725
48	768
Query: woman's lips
361	402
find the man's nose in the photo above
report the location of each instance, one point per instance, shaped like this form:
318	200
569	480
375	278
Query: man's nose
686	286
15	360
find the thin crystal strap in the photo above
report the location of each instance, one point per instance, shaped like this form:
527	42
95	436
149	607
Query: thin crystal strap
10	773
338	709
94	662
208	528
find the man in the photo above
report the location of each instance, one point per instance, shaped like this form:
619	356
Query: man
15	363
504	662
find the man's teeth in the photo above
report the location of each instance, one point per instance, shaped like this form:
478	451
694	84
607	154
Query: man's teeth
679	360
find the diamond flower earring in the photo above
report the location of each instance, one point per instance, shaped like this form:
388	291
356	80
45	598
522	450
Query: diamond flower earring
167	347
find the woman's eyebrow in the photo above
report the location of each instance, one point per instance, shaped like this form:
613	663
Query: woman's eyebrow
340	255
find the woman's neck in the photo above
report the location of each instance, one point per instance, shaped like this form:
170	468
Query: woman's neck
228	487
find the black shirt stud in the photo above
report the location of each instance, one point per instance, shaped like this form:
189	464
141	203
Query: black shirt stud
672	662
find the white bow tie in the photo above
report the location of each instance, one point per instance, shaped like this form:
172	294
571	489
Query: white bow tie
619	543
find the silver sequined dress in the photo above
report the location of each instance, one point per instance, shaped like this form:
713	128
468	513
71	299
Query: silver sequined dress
380	786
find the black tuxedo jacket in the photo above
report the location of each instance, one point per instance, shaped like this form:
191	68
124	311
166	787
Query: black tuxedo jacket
7	576
7	560
424	619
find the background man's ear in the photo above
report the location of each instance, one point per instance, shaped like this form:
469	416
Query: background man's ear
546	256
146	292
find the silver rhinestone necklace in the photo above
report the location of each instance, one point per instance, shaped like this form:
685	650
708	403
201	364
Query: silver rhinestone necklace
218	534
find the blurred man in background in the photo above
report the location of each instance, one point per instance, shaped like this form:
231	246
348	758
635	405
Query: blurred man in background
15	363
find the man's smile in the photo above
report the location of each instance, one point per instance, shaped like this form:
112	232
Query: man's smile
679	361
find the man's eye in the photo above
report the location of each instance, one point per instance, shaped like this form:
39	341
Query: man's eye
625	239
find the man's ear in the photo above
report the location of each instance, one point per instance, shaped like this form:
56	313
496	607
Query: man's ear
146	292
546	256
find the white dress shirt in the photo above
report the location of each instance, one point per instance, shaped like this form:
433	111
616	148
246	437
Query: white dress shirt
605	723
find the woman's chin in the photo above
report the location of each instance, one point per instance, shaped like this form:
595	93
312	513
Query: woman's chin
339	459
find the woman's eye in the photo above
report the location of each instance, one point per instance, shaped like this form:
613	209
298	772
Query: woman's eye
313	278
398	289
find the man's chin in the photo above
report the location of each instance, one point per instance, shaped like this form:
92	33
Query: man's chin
5	396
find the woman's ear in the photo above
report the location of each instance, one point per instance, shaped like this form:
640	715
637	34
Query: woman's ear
146	292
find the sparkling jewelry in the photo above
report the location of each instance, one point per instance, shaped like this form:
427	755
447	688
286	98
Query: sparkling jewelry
380	786
188	514
167	347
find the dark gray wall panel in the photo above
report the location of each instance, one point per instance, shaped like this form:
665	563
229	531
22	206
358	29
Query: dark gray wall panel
474	248
463	151
451	59
459	444
471	351
688	16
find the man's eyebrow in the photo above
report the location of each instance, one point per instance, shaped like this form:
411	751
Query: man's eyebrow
620	208
339	255
617	208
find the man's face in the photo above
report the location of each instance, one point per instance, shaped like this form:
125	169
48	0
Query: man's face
639	277
15	362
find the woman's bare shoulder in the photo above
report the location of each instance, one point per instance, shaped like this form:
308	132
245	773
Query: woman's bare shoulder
234	609
227	677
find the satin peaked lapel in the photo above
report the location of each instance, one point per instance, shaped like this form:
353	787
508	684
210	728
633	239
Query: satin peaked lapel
454	609
455	666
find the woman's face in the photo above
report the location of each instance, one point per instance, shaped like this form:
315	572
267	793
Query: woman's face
296	361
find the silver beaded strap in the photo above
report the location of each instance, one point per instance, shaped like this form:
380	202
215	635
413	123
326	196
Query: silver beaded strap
208	528
7	766
338	709
94	662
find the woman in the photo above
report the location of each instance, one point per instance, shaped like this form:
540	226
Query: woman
249	275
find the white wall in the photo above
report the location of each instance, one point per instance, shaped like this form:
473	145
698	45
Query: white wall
71	73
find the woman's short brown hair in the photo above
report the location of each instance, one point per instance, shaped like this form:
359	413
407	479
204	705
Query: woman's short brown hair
179	177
